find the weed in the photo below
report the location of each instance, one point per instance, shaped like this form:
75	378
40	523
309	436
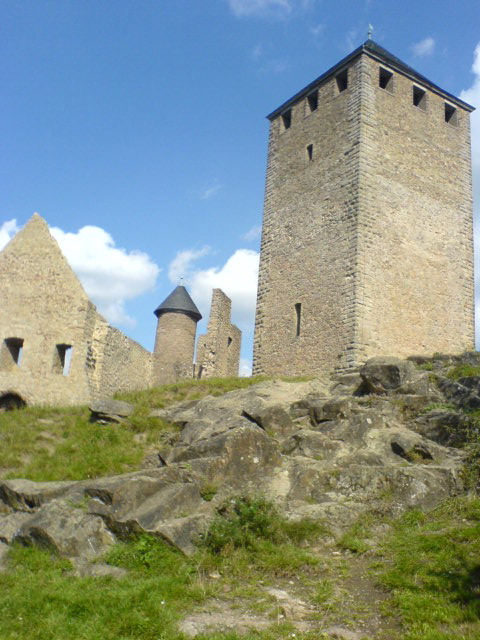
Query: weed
463	371
426	366
208	491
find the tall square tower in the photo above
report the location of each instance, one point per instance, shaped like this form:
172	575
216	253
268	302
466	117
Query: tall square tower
367	239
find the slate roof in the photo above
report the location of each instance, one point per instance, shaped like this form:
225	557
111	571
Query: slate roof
179	301
374	50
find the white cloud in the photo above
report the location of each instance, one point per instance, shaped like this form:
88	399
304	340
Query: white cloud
237	278
253	233
7	231
211	191
181	265
245	8
245	370
317	30
110	275
424	48
472	96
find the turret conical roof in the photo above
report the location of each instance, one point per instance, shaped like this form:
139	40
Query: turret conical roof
179	301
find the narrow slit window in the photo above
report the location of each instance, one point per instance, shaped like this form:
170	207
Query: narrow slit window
312	101
385	80
419	97
229	342
12	351
310	151
451	114
298	318
62	359
342	81
287	119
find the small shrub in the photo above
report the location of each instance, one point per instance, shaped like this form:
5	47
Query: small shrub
208	491
426	366
242	522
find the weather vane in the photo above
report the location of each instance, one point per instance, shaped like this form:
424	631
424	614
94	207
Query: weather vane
370	31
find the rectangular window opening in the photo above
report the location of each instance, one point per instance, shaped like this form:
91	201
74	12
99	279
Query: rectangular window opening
342	81
419	97
287	119
385	80
310	151
451	114
62	359
312	101
298	313
12	351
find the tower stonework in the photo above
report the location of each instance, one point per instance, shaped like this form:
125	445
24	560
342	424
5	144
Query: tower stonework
175	338
367	239
218	351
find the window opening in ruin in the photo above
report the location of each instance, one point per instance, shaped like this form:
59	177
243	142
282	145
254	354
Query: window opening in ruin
229	342
450	114
11	401
385	80
310	151
287	119
312	101
12	351
298	312
419	98
342	80
62	359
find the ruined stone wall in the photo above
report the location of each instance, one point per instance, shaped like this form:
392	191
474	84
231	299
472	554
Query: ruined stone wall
125	364
308	249
55	348
415	260
174	348
367	232
218	351
42	304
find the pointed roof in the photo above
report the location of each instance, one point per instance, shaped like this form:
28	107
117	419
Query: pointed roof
373	50
179	301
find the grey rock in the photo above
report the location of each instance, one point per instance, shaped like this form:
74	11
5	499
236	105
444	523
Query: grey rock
447	428
340	633
338	408
274	420
98	570
383	375
65	530
26	495
460	395
110	410
10	525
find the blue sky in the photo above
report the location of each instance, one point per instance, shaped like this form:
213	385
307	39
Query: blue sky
137	128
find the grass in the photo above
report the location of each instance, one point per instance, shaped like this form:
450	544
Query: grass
463	371
41	600
47	444
434	571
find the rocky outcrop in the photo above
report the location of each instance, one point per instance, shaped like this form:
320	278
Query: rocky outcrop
326	449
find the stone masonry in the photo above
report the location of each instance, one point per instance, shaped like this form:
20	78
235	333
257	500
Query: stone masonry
367	240
56	349
218	351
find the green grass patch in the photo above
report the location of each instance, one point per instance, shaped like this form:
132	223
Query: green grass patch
46	443
463	371
169	394
434	571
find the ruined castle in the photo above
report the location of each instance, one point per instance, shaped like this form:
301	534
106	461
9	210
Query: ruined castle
367	249
57	349
367	239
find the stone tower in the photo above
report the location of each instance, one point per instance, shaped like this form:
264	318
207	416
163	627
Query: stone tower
175	338
367	240
218	351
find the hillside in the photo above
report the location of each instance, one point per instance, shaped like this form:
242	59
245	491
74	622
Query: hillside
342	508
